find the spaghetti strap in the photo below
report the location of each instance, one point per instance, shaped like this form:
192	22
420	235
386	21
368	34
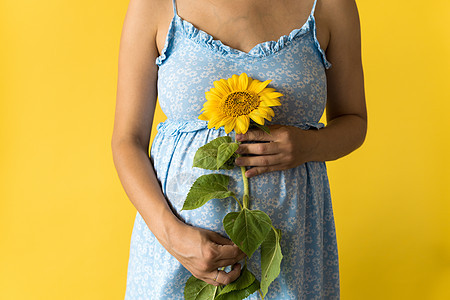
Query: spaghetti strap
174	7
312	10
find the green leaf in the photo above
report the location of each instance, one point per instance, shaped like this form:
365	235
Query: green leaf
229	164
245	280
205	188
206	156
196	289
262	127
270	259
247	229
225	152
240	294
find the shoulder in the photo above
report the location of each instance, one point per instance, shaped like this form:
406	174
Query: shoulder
148	14
339	14
342	20
146	22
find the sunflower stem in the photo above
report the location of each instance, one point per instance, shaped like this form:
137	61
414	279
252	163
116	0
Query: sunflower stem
240	205
246	197
246	191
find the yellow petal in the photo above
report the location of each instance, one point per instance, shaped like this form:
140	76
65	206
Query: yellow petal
243	81
271	94
269	112
203	117
210	96
214	122
269	102
256	117
229	123
211	106
262	111
261	86
242	124
222	87
233	82
268	90
252	84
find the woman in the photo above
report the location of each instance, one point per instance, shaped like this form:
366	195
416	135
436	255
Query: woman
176	50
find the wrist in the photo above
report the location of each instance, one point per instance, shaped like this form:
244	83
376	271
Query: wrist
168	227
312	137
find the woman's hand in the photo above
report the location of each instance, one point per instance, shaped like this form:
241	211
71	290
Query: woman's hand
203	252
288	147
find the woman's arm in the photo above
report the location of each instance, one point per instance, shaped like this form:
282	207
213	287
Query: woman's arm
201	251
346	107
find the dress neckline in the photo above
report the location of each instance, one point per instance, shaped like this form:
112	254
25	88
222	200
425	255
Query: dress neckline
261	49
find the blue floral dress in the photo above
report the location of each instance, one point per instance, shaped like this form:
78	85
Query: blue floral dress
297	200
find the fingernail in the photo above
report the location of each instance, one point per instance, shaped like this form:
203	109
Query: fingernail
239	137
237	161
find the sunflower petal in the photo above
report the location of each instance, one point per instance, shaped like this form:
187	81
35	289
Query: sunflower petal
215	121
229	123
233	82
203	117
210	96
222	87
261	86
252	84
268	90
242	124
267	101
270	102
263	111
266	112
271	94
256	117
243	81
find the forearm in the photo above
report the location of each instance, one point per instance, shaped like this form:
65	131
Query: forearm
340	137
140	183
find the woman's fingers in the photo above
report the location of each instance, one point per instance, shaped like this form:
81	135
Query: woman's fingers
259	148
259	170
219	277
218	239
260	160
254	135
225	249
228	251
203	252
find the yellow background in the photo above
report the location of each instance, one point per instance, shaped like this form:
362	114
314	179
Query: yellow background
65	221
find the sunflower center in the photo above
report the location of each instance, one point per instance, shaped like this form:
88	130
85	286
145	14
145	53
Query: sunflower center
240	103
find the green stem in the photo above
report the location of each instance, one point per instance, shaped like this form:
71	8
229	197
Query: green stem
240	205
259	291
246	191
246	197
215	292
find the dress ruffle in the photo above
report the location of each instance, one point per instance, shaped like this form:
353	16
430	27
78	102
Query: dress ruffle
169	37
264	49
260	50
326	63
174	127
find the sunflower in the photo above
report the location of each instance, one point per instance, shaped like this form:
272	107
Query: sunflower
233	102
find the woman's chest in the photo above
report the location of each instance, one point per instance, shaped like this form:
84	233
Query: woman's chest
244	24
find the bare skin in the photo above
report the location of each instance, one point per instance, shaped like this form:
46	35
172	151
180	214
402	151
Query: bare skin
241	25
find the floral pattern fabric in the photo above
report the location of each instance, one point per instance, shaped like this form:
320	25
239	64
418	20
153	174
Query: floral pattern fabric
297	200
